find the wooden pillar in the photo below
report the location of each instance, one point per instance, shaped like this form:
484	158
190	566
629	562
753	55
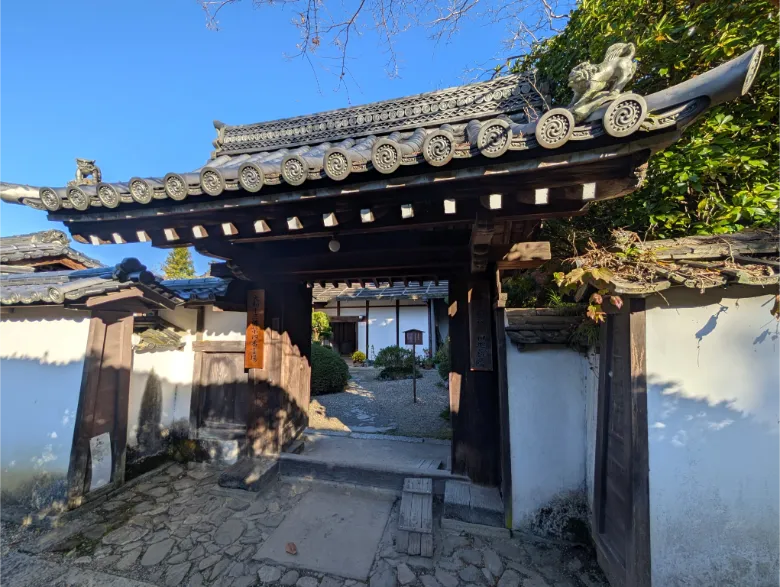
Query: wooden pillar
503	400
279	392
398	323
196	399
103	401
473	384
367	323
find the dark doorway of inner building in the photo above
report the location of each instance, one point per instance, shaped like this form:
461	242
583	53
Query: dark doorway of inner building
379	413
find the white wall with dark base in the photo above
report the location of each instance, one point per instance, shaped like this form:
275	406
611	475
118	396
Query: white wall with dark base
547	429
41	364
712	371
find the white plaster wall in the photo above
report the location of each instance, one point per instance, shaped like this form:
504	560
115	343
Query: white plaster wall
546	426
414	317
712	367
381	327
220	325
41	362
174	370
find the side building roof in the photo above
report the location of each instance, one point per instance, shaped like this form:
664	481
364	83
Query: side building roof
427	290
75	288
41	246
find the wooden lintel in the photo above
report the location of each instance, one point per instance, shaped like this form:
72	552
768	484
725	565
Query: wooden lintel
125	294
219	346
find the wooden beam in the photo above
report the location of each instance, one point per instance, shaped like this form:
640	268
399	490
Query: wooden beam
125	294
481	237
218	346
525	255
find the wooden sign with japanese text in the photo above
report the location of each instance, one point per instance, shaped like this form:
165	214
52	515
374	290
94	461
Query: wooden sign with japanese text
480	338
255	329
413	337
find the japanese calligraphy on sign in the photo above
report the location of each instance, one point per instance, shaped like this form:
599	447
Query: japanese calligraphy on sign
255	329
480	339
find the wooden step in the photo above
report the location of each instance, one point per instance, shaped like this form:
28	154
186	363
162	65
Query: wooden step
474	504
415	522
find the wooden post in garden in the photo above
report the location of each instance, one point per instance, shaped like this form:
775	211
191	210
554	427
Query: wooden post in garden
413	337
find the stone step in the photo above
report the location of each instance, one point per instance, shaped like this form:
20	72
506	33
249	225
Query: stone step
250	474
475	504
296	447
378	475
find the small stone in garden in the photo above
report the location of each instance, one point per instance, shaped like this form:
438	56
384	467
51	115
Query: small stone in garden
177	558
290	548
176	574
493	562
83	560
405	574
446	579
470	574
208	561
307	582
269	574
509	579
429	581
330	582
289	578
470	556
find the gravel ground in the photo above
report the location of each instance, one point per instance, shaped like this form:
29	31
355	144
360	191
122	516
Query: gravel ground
369	401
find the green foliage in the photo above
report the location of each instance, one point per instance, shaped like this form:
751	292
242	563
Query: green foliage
329	372
722	176
442	359
178	264
358	357
320	326
396	362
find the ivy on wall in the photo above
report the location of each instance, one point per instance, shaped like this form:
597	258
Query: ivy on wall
722	176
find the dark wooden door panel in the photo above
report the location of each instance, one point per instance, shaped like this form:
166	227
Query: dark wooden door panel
223	391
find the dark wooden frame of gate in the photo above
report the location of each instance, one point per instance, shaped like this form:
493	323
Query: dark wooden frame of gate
625	330
105	385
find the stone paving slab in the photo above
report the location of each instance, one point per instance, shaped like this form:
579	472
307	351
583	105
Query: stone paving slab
20	570
335	532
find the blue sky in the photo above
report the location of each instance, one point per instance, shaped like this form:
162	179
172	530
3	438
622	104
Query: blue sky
136	85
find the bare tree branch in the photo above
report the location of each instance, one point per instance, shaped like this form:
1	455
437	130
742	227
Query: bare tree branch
328	27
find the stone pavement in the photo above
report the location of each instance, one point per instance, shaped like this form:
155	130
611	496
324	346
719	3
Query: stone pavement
176	526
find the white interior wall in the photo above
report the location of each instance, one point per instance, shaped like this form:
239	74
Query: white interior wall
381	327
382	318
414	317
173	370
712	368
41	363
546	427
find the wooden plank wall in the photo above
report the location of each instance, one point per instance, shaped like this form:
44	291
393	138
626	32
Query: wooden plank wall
473	394
279	393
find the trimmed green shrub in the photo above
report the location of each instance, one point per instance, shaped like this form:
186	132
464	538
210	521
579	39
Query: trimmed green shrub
329	372
442	359
396	363
358	357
